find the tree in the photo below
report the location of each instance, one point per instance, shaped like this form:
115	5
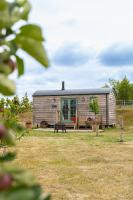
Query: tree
106	85
26	105
94	107
2	104
123	89
14	105
16	183
114	85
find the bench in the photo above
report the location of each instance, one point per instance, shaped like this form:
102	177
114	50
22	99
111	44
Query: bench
59	126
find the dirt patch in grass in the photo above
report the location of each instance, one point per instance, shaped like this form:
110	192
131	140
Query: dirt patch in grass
80	166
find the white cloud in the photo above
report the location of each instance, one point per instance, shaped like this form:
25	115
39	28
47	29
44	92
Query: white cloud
94	25
99	23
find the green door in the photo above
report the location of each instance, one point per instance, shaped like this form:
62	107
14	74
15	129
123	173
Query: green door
68	110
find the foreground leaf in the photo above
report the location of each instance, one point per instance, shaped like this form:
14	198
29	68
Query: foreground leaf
10	138
7	157
21	193
3	5
24	178
26	9
46	197
7	87
20	65
21	2
33	48
32	31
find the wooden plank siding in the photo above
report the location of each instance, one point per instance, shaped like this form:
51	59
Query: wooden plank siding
112	109
83	108
42	108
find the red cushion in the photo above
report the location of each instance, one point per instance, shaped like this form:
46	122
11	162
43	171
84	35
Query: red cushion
73	119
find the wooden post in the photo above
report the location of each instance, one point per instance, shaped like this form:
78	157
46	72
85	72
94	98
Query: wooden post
76	124
59	116
97	130
56	118
122	131
121	124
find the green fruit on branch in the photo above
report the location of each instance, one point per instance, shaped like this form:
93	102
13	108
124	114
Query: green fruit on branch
1	110
11	64
7	136
7	86
10	138
5	182
5	69
3	132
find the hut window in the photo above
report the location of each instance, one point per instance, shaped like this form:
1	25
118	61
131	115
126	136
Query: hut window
53	103
53	100
54	106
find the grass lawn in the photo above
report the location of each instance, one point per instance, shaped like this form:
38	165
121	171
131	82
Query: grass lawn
80	166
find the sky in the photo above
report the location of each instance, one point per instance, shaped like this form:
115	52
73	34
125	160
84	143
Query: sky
87	41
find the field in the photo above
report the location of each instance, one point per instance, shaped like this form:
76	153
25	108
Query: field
80	166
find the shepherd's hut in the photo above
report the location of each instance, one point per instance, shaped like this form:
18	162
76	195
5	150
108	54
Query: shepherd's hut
71	107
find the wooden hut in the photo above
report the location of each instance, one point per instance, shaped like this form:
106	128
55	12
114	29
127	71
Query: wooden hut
72	106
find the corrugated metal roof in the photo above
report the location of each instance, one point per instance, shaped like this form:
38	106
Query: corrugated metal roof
72	92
